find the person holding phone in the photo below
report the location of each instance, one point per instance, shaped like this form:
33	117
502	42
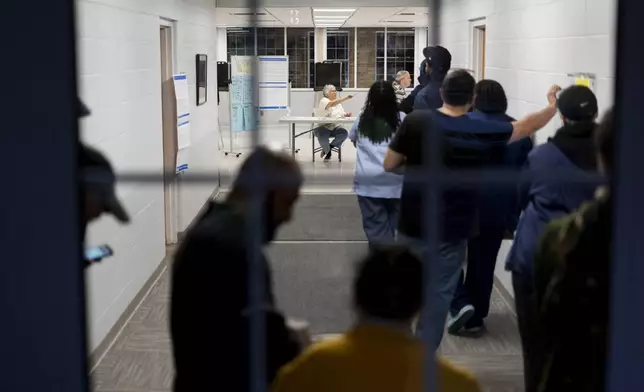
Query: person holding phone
331	106
97	182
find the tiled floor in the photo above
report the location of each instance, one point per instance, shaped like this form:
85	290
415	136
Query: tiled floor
313	263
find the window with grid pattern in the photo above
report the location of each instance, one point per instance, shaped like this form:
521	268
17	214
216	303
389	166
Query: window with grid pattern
338	49
240	42
400	53
300	53
270	41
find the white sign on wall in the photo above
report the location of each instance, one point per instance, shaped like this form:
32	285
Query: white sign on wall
273	82
182	94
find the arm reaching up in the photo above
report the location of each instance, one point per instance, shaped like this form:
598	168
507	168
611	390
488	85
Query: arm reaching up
535	121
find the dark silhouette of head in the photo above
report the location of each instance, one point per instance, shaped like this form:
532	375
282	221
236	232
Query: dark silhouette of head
458	88
273	177
389	284
489	97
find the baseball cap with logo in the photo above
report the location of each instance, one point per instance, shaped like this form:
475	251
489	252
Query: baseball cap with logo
438	58
578	103
98	176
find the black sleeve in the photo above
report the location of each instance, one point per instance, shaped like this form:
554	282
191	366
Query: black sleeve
407	104
405	138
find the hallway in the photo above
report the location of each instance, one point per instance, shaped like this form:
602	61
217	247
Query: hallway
312	270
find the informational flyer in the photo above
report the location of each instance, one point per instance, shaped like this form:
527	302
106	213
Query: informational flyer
182	95
243	115
273	88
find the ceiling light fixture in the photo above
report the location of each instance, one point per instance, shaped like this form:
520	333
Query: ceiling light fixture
345	10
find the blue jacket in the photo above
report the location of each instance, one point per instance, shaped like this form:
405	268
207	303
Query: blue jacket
499	207
430	96
544	201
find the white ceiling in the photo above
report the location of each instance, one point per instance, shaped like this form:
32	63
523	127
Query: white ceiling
303	17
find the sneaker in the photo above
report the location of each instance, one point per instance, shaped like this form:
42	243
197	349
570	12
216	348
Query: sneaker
456	323
327	157
474	328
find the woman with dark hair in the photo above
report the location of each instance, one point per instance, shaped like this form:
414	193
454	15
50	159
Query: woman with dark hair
378	191
380	353
498	216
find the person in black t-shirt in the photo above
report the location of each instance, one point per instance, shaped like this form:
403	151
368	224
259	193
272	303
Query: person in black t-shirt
466	144
210	313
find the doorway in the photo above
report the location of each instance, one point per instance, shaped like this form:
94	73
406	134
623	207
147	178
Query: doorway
169	134
478	50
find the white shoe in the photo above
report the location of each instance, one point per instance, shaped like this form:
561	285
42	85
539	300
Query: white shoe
456	323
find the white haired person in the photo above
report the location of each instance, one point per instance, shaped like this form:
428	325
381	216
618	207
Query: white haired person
402	81
331	106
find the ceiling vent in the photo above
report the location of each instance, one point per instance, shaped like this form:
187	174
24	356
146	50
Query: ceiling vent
249	13
407	14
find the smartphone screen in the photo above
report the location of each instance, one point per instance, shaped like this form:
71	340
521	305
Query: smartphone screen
98	253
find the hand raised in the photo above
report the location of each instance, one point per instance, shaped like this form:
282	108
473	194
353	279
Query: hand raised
552	94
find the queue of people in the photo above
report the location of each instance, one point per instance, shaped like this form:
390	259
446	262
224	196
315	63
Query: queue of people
559	259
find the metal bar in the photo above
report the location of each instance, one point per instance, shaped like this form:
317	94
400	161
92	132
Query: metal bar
254	233
482	177
433	191
42	294
626	350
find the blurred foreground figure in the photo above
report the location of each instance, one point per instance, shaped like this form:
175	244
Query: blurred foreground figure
380	353
98	183
210	305
572	279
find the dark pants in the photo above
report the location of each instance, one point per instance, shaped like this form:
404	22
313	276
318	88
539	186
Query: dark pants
379	218
324	134
531	342
475	287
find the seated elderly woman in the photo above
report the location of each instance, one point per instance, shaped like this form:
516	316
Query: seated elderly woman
331	106
402	81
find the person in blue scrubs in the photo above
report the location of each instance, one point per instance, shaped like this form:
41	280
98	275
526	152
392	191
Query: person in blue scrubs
466	146
498	216
571	150
378	191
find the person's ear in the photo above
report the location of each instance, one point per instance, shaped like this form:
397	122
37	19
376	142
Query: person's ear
442	94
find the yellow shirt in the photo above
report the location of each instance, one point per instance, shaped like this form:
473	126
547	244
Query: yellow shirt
372	359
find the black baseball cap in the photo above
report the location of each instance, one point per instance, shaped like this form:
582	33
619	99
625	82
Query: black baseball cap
98	176
578	103
83	111
438	57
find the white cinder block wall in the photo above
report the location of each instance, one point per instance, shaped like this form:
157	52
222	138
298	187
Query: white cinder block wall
120	80
532	44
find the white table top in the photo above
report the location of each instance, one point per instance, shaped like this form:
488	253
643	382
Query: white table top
320	120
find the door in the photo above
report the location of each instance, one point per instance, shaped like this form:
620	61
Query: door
169	134
478	51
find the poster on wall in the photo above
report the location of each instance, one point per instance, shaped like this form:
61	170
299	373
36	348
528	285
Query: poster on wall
273	86
243	114
182	95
